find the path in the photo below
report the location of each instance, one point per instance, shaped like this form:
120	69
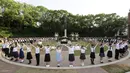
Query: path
9	68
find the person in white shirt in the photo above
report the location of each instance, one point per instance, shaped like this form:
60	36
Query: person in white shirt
58	56
110	53
92	54
121	45
4	47
117	50
47	57
15	51
125	46
101	54
29	54
71	55
37	54
82	55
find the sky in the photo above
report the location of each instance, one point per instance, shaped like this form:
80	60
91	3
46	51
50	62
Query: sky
84	7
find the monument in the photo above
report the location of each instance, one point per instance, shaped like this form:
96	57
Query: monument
129	25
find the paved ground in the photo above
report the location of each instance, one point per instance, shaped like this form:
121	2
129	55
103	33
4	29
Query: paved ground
9	68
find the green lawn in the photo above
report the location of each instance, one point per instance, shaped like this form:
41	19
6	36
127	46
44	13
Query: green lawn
116	68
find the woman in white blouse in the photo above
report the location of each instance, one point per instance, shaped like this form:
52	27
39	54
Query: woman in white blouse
29	54
92	54
71	55
82	55
47	57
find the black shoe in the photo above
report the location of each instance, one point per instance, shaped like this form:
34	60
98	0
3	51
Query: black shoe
16	60
109	61
101	62
29	63
11	59
58	66
37	65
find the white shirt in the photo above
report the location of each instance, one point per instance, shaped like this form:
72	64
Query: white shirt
125	44
71	50
7	46
82	50
28	49
110	48
92	49
37	50
58	50
117	46
3	45
15	49
121	46
47	50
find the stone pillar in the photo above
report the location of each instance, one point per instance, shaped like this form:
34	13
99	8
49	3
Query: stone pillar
65	32
129	24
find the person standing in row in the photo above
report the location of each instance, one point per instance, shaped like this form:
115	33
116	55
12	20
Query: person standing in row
117	51
101	54
92	54
37	54
109	53
3	47
11	51
21	54
71	55
58	56
29	54
82	55
121	45
7	49
47	57
126	46
15	51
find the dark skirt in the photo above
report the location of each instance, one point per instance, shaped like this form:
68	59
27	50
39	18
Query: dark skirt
7	51
15	54
121	51
11	52
124	50
101	54
109	54
47	58
92	55
71	57
21	54
3	50
82	56
29	55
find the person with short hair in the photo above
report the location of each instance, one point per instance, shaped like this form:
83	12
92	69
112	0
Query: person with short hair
117	50
82	55
47	57
29	54
21	54
101	54
71	55
92	54
15	52
109	53
58	56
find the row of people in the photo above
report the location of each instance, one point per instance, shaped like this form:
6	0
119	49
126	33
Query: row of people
120	48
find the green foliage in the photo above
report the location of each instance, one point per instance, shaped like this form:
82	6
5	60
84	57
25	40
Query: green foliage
17	16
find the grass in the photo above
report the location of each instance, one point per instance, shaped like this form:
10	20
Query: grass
116	68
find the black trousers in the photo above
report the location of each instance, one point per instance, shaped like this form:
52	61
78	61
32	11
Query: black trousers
117	54
37	58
